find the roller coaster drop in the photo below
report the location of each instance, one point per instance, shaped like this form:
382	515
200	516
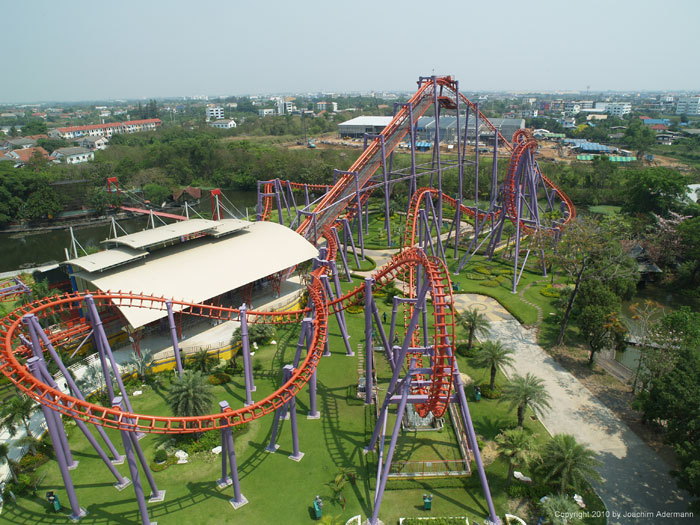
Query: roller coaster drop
424	370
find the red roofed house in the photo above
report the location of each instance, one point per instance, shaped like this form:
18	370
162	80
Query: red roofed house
24	155
106	130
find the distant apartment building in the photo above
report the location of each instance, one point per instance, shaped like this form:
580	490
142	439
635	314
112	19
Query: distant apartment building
688	106
223	124
214	113
93	143
106	130
572	108
266	112
618	109
327	106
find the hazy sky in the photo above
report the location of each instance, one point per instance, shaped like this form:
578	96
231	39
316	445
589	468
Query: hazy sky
86	50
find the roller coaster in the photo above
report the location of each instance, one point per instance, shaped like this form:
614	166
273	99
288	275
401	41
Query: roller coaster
424	369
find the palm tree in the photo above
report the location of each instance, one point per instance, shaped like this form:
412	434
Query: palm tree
493	354
523	392
190	395
474	322
569	463
141	363
29	441
560	509
4	455
18	410
518	446
201	361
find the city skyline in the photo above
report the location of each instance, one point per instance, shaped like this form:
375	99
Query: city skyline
132	51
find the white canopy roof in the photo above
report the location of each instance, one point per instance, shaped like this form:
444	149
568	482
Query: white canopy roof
100	261
205	268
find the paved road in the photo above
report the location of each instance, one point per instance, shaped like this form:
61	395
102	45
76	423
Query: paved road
635	478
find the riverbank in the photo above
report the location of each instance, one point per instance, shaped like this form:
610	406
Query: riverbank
76	224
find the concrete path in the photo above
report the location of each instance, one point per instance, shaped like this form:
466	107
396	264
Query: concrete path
636	480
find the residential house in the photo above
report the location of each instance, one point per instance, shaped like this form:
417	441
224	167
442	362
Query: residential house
24	155
93	143
18	143
223	124
106	130
74	155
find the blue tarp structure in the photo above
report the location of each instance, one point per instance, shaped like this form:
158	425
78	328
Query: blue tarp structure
423	146
594	147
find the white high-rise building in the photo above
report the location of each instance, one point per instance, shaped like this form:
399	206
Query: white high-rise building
688	106
618	109
214	112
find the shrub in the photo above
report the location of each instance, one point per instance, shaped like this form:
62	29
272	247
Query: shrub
483	270
219	378
257	365
355	309
257	333
464	350
517	490
30	463
161	456
492	283
550	291
491	394
473	276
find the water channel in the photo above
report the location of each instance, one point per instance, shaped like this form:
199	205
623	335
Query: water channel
37	248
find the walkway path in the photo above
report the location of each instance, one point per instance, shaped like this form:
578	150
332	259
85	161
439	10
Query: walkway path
635	478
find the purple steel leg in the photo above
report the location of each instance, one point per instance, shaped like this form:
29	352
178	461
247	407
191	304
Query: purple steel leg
173	334
459	387
303	337
296	454
343	257
387	222
245	347
339	317
238	499
77	512
225	480
258	209
156	495
382	334
339	292
313	412
34	328
279	414
31	319
359	217
369	347
476	172
133	469
97	322
390	453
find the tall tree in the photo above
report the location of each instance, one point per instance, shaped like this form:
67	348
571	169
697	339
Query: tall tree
588	251
493	354
523	392
598	319
474	322
655	190
5	456
518	447
190	395
18	410
568	463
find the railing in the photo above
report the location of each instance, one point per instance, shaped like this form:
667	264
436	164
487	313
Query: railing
429	469
460	433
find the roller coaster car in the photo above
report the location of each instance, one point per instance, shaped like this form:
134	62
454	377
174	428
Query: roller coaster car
447	103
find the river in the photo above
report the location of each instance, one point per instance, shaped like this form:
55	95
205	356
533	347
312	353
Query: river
36	248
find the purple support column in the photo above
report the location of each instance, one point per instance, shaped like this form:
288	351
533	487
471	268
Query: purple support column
519	208
460	164
77	512
359	217
133	469
437	154
245	348
339	317
415	317
369	347
156	495
348	231
313	412
306	195
412	186
279	200
303	339
225	480
390	454
96	323
34	328
387	222
343	257
279	413
296	454
458	224
173	334
259	208
459	387
238	499
476	173
382	334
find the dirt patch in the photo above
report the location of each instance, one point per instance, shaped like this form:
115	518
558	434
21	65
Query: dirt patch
613	393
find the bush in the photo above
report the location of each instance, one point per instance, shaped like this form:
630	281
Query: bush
257	333
518	490
483	270
473	276
30	463
161	456
355	309
494	283
487	393
550	291
25	483
464	350
257	365
219	378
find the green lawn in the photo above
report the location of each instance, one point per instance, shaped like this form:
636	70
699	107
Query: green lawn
278	489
